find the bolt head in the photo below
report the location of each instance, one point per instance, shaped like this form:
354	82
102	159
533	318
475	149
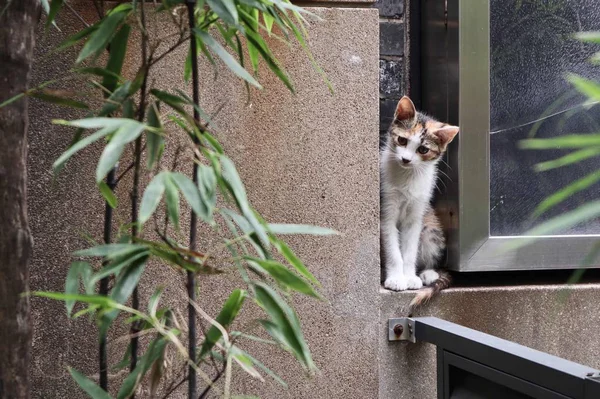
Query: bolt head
398	329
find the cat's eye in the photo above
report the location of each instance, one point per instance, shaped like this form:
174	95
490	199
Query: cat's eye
402	141
422	150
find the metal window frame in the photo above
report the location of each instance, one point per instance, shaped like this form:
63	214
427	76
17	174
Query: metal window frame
506	363
464	71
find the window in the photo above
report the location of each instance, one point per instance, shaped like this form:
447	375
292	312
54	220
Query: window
497	68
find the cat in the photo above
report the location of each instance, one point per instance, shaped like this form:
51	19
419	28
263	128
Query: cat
411	235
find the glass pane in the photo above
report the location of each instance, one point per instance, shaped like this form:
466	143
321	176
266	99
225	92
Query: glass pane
532	50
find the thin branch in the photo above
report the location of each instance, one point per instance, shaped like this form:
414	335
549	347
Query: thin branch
83	21
169	50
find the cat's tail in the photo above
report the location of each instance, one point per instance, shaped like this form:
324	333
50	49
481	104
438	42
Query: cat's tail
425	294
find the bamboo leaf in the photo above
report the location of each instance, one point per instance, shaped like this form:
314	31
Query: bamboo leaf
101	72
55	7
226	316
153	302
239	192
278	228
55	97
100	37
227	58
127	132
77	37
587	87
154	141
107	125
152	196
99	300
89	386
568	159
567	191
118	49
118	264
153	353
591	37
225	9
172	200
291	257
282	275
76	270
284	326
561	142
108	194
109	250
191	193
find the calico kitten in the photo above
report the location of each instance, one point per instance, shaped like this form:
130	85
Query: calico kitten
411	235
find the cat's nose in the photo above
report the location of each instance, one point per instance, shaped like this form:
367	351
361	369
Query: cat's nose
405	161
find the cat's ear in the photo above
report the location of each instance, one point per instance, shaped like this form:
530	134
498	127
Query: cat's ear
446	134
405	111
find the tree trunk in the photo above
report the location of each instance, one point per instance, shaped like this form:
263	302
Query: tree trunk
18	19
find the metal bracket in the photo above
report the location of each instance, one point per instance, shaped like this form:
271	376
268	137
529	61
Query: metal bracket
401	329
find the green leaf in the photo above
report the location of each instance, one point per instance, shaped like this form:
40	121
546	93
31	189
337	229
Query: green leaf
54	97
587	87
591	37
99	300
213	142
278	228
291	257
109	250
268	18
88	385
108	194
226	316
282	275
569	141
154	141
72	283
124	286
154	353
239	192
172	200
101	72
227	58
118	264
567	191
153	302
55	6
584	213
107	125
191	193
116	99
127	132
208	188
118	49
568	159
266	370
100	38
284	326
77	37
245	362
259	44
152	196
225	9
125	361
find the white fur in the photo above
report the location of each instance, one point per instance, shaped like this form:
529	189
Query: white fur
406	191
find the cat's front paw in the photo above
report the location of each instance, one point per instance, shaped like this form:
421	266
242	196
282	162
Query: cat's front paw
429	276
396	283
413	283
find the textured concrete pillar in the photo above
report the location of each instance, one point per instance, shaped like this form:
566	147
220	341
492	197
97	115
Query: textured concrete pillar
305	158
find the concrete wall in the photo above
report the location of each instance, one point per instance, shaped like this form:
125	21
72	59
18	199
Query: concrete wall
305	158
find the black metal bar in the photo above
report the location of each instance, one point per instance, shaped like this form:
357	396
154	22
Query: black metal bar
191	278
412	51
551	372
592	387
108	214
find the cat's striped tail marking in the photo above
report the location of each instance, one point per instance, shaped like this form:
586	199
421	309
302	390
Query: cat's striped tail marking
425	294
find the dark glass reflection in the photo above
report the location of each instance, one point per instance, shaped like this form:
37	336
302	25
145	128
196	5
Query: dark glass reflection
532	50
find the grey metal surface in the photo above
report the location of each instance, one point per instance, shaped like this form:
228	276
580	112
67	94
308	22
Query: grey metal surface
401	329
529	366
